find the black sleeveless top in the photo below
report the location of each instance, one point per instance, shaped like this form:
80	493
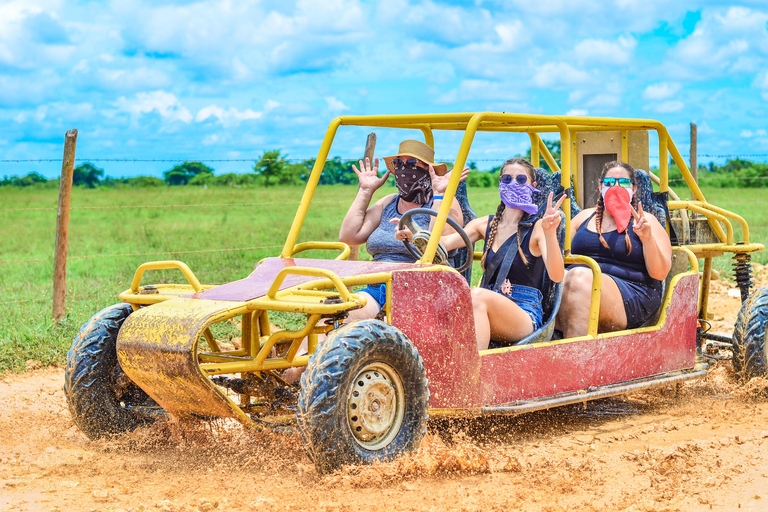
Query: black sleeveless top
614	260
531	275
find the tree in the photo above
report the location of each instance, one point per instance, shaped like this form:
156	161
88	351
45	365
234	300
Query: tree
181	174
87	175
271	166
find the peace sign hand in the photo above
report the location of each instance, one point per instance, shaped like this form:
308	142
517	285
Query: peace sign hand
551	218
369	177
642	227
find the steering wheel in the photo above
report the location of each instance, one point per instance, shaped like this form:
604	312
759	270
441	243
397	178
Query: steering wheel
421	238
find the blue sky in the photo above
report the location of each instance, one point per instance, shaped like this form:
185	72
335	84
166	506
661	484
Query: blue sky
216	80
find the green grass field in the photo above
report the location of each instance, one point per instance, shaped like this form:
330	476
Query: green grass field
107	245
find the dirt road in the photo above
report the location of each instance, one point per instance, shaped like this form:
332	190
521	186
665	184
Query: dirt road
700	446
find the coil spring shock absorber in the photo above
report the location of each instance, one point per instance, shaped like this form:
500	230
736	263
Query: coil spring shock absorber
742	271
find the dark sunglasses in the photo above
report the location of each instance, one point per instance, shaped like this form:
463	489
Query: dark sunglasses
507	179
410	163
623	182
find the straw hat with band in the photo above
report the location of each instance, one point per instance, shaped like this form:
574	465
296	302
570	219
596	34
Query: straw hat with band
416	149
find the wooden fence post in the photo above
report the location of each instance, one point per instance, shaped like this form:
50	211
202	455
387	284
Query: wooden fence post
694	149
370	145
62	227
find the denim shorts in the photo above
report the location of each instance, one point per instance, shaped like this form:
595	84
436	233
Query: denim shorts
378	292
530	300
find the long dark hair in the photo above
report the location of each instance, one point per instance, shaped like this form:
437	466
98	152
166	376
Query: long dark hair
500	209
600	208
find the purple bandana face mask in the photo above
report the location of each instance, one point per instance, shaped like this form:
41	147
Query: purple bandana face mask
516	195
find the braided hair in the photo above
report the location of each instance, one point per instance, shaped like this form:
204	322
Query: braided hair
500	210
600	208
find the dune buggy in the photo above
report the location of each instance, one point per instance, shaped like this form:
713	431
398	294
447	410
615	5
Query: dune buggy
369	386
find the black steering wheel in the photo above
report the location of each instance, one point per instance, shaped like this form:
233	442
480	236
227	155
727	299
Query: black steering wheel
421	238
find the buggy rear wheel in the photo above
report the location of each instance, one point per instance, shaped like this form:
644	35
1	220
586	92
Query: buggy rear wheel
750	337
363	398
101	397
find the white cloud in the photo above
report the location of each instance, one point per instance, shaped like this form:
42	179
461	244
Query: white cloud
731	41
748	134
600	51
559	75
210	140
164	103
661	90
335	105
577	112
227	118
669	107
479	90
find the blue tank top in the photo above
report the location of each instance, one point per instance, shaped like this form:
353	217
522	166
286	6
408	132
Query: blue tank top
531	275
614	260
382	244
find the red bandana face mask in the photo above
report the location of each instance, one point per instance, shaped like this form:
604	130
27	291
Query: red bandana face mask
617	202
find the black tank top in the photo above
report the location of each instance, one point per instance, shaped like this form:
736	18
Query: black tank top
614	260
531	275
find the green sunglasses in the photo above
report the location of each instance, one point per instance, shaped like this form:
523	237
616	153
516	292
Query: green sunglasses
623	182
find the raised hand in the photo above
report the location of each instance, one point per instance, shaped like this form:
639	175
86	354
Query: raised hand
551	218
440	183
369	177
641	226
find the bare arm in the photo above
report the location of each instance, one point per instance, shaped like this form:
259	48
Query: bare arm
475	230
544	240
360	220
657	249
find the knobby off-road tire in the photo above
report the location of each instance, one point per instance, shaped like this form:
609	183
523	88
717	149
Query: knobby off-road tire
364	397
101	398
750	337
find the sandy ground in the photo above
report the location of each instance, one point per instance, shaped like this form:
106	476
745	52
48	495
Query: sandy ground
702	445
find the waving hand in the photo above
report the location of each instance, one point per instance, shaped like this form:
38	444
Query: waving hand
369	177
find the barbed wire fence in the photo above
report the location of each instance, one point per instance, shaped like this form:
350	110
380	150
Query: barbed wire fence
255	204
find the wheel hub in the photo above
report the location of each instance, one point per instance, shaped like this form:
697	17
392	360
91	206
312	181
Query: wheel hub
375	406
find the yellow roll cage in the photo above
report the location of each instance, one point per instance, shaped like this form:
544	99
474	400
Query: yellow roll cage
534	125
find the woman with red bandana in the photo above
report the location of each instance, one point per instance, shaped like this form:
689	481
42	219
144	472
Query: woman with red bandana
632	249
507	306
413	168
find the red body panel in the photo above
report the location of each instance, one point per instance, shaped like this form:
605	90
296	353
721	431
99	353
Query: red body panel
434	309
459	378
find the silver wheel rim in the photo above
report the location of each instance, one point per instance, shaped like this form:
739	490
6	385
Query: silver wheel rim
375	406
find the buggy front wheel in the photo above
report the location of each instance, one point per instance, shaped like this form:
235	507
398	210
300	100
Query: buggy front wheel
364	397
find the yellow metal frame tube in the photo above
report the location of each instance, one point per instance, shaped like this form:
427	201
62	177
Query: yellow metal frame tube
165	265
309	190
548	156
309	246
597	285
716	209
534	148
713	217
704	290
282	335
309	272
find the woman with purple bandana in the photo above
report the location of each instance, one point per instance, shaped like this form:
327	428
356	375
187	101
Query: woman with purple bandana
507	308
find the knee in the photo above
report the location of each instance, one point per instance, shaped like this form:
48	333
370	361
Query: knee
478	299
578	282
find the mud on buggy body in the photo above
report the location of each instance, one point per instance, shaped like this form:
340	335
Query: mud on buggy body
370	385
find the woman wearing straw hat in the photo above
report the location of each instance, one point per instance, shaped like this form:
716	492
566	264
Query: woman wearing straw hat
371	224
